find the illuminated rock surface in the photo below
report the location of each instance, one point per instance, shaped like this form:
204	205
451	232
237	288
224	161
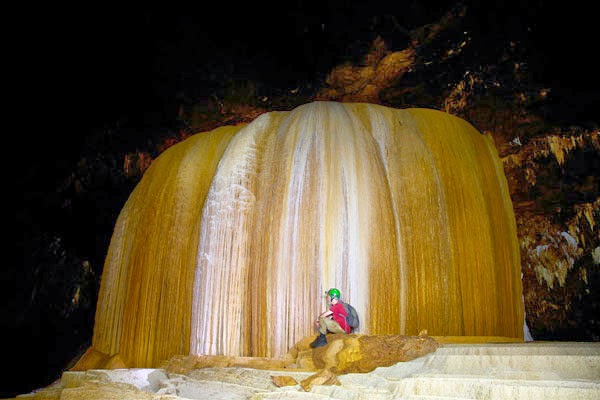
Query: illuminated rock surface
343	354
358	353
546	371
228	242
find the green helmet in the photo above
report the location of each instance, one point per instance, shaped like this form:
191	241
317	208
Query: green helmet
333	293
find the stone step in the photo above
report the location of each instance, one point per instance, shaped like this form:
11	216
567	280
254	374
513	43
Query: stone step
425	397
529	367
555	371
563	361
287	395
532	348
434	387
239	376
492	389
357	393
352	393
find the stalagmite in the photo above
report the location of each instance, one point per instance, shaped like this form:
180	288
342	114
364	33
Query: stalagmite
232	236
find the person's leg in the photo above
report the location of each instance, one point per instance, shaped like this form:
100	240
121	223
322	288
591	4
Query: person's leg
323	325
329	325
326	325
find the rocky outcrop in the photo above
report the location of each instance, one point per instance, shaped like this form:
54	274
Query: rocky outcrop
343	354
554	187
323	377
363	353
94	359
365	83
476	371
101	376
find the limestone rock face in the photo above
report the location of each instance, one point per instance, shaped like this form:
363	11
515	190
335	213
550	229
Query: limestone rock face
363	353
365	83
233	211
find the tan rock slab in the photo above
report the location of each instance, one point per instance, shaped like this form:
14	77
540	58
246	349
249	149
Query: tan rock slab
324	377
115	362
362	353
91	359
283	380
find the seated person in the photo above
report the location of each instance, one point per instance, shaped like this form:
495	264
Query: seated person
333	320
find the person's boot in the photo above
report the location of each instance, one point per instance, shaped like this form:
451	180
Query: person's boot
321	340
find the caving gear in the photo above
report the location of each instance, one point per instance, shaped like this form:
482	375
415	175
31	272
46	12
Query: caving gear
351	316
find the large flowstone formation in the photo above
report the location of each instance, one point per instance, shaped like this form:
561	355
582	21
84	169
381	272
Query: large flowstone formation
230	239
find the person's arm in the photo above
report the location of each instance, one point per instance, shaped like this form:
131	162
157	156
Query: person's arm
323	314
